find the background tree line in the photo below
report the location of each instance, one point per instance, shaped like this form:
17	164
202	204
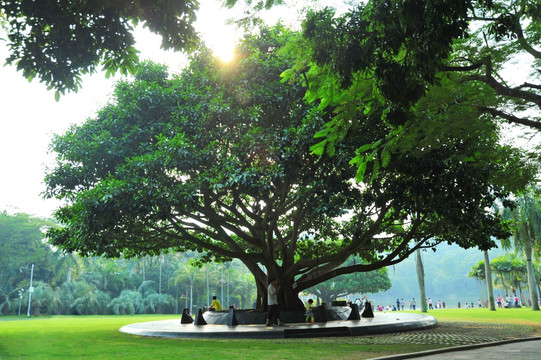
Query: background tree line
70	284
519	269
509	276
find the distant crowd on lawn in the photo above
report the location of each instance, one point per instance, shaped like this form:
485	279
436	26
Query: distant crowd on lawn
400	305
511	301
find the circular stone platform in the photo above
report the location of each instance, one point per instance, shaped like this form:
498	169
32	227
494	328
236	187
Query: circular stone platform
379	324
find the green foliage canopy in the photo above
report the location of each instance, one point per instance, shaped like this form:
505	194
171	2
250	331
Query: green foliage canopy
366	282
400	57
22	243
60	40
217	159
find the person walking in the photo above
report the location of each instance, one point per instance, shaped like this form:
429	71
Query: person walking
272	300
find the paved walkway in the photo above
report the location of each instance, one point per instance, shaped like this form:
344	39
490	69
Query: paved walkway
520	349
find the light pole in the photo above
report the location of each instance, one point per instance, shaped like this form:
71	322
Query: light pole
30	291
20	300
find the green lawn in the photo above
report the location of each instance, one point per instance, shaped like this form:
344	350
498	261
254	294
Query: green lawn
522	316
97	337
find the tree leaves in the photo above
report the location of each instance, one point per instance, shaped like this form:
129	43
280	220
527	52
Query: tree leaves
219	159
59	41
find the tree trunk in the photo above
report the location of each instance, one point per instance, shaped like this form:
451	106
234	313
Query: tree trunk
488	280
68	277
522	302
288	297
261	282
504	286
421	279
531	275
259	300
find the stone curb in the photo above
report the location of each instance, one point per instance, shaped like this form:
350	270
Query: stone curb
454	348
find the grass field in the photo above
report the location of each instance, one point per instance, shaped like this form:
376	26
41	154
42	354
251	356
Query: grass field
97	337
523	316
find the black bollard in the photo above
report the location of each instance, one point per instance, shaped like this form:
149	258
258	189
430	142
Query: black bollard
199	319
232	317
367	312
320	314
186	317
354	314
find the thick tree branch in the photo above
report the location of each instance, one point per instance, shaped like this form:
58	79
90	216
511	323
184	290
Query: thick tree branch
389	260
497	86
505	90
511	118
528	85
322	273
524	43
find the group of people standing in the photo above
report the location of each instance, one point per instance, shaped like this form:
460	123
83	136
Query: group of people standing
439	305
508	301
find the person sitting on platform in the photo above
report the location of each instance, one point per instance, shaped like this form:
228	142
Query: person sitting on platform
215	304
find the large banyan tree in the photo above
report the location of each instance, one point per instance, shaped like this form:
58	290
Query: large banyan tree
218	160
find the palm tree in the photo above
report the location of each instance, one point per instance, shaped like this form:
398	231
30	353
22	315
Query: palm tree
68	261
479	272
190	276
111	276
42	299
246	287
526	237
76	297
502	267
155	302
136	266
128	302
7	290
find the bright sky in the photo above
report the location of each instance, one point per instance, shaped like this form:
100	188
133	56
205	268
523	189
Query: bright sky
29	115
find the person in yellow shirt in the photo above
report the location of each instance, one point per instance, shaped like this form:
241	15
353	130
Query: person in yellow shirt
215	304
